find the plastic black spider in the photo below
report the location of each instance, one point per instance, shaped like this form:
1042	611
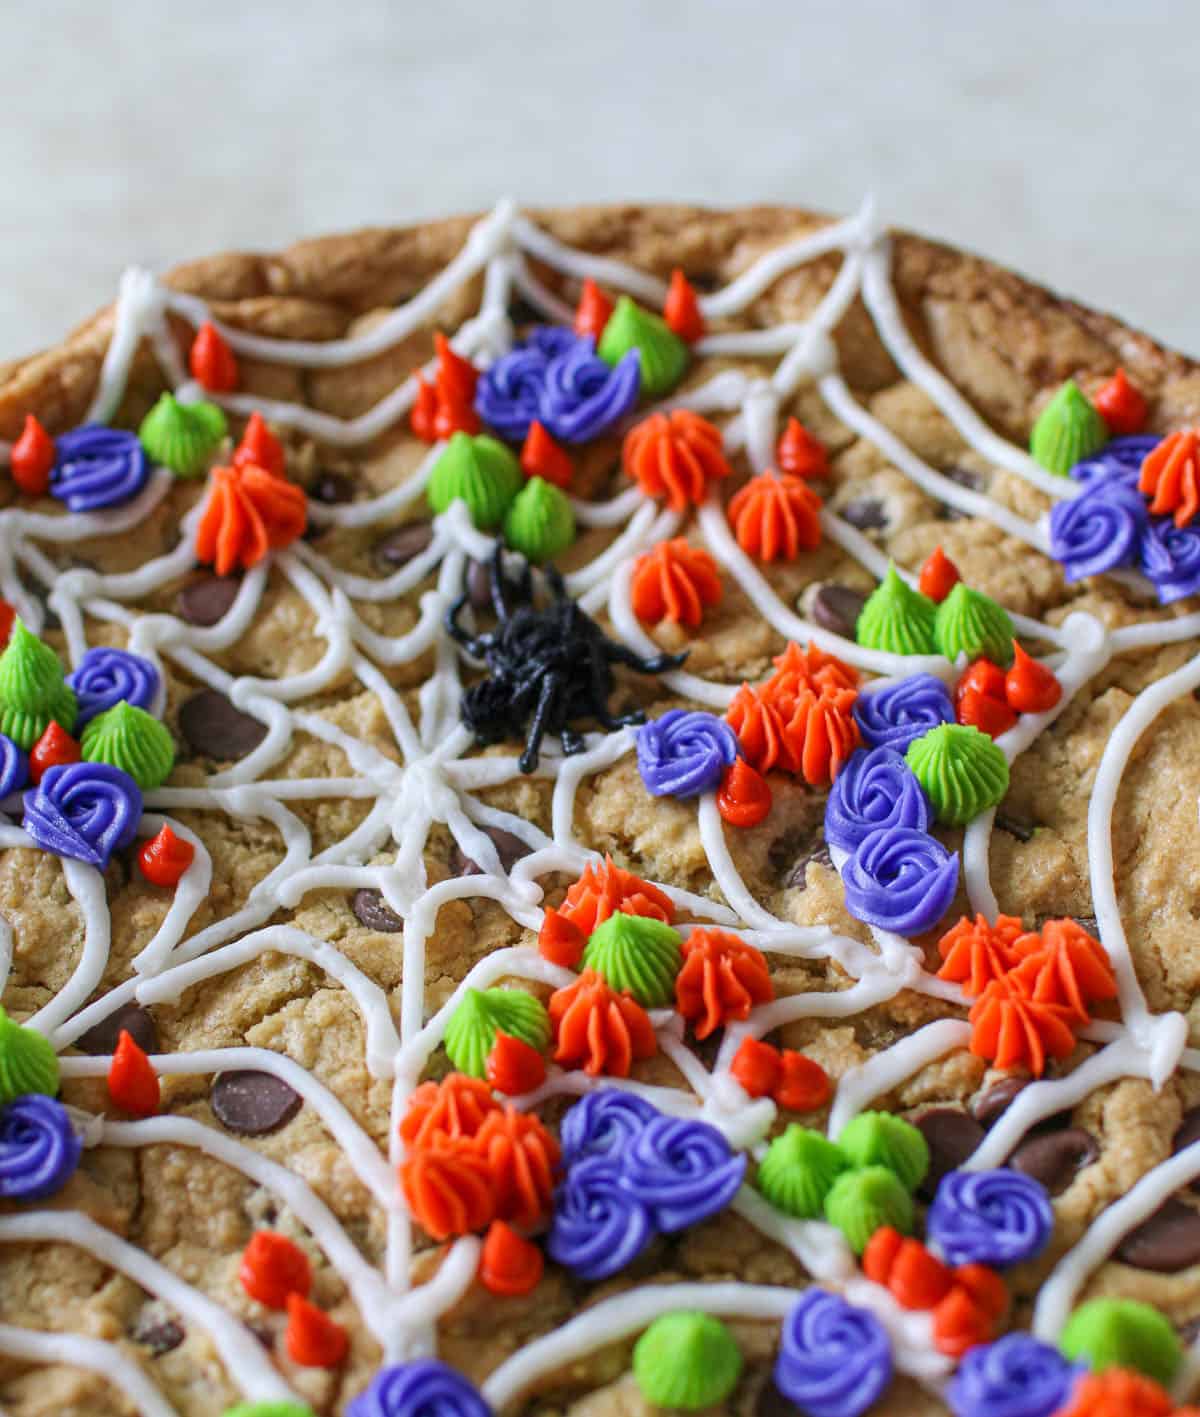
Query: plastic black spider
546	667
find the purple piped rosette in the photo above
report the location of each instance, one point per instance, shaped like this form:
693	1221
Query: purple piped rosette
84	811
599	1225
107	677
14	766
423	1388
556	377
39	1148
835	1359
96	467
900	879
1017	1376
1169	555
683	1170
1100	529
899	713
1119	460
684	753
996	1217
875	789
602	1123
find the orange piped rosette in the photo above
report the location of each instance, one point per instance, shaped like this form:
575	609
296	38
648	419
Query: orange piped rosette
1064	965
676	456
248	512
974	952
775	516
674	581
744	796
761	730
607	889
1170	475
1012	1031
721	980
449	1188
823	733
447	1111
523	1159
1120	1392
595	1026
797	669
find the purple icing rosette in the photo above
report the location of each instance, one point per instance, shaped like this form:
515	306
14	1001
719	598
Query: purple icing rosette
835	1359
599	1224
14	766
1098	530
603	1123
876	789
1118	460
683	1171
1017	1376
107	676
900	879
96	466
39	1148
423	1388
83	810
557	377
1170	556
899	713
996	1217
684	753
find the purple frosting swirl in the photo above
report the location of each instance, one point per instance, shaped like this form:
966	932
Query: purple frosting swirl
1121	459
1017	1376
1170	556
107	676
684	753
96	466
989	1217
1098	530
599	1225
423	1388
900	879
894	716
835	1359
83	810
39	1149
557	377
14	766
602	1123
875	789
684	1171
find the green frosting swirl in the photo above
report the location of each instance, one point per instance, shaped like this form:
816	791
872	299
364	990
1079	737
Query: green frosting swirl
133	740
962	771
27	1062
182	436
663	356
480	470
1123	1333
270	1408
799	1170
637	954
969	622
540	522
881	1139
1067	430
686	1360
32	689
897	618
863	1200
482	1013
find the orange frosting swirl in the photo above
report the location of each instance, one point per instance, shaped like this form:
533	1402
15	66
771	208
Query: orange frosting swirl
1012	1031
807	734
811	668
722	979
449	1188
1120	1392
775	516
974	952
446	1110
674	581
761	730
675	456
604	890
1171	476
599	1028
523	1159
249	511
1064	965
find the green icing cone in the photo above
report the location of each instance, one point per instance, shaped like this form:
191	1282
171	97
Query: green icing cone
663	356
897	618
881	1139
471	1031
540	522
636	953
270	1408
799	1170
1123	1333
27	1062
480	470
962	771
182	436
32	689
969	622
863	1200
133	740
1068	429
686	1360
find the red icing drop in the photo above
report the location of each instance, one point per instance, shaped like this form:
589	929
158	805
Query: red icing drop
212	362
682	309
32	458
132	1082
53	748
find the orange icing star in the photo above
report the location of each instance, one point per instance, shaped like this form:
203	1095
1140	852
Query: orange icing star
606	889
1011	1031
449	1188
447	1110
675	456
674	581
523	1159
761	730
776	516
975	951
599	1028
722	979
1171	475
1119	1392
811	668
1064	966
249	511
822	733
799	453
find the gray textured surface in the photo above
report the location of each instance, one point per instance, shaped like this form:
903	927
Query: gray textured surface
1051	135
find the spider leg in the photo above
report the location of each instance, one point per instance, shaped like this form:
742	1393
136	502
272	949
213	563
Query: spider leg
496	582
555	581
621	654
537	728
454	629
572	742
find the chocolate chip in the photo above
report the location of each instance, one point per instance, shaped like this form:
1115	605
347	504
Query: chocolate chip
479	585
1015	826
965	477
865	513
215	729
205	601
772	1403
400	546
951	1135
837	608
509	848
1165	1243
797	878
158	1335
251	1103
988	1107
138	1022
1188	1132
1189	1331
331	488
1053	1158
521	312
375	913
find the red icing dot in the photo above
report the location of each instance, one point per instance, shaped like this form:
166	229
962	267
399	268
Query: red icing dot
682	310
312	1338
7	616
509	1264
514	1067
165	857
1122	406
261	447
744	797
542	457
757	1067
803	1083
990	716
560	940
213	364
32	458
593	310
54	747
799	453
132	1082
939	576
273	1267
1029	686
985	677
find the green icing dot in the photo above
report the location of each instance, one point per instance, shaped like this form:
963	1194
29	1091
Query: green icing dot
962	771
482	1014
1068	429
1123	1333
861	1201
480	470
636	953
881	1139
32	689
663	356
686	1360
182	436
897	618
970	622
27	1062
540	522
269	1409
133	740
799	1170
